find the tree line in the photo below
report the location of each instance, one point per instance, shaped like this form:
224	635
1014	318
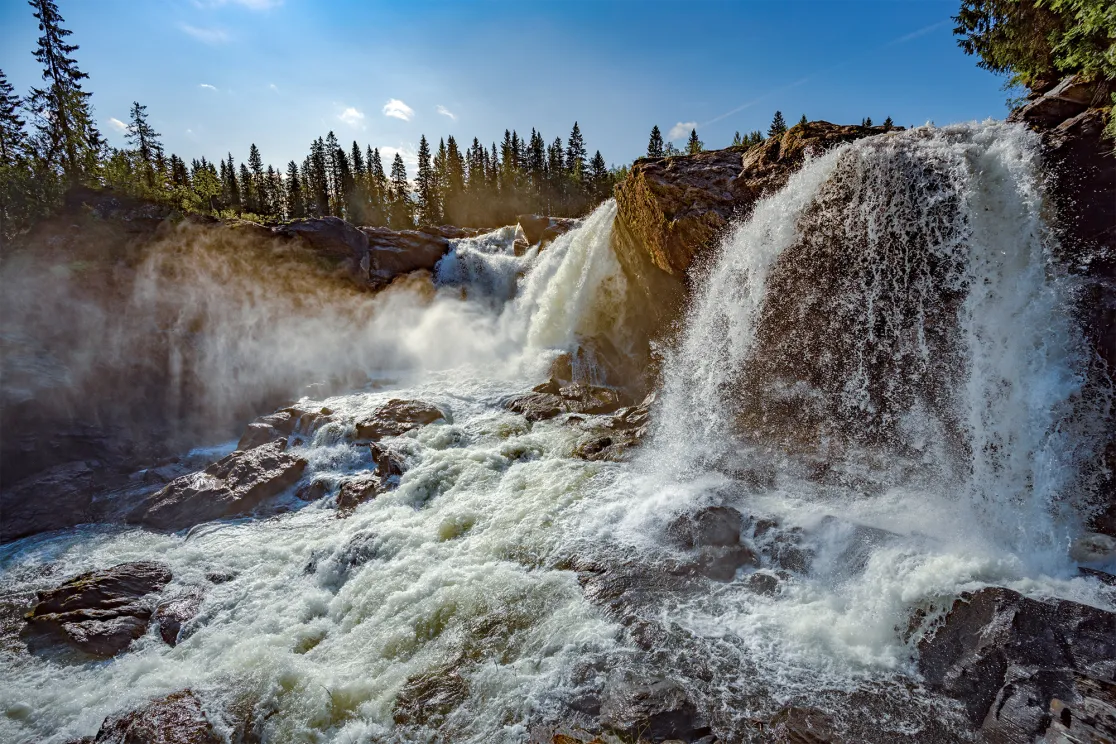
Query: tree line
58	145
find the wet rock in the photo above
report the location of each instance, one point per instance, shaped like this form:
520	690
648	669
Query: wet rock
282	423
220	577
558	226
427	699
551	399
330	236
356	490
612	439
654	710
533	227
1006	658
232	486
1093	548
397	417
314	490
762	583
176	612
54	499
1102	576
1091	717
395	252
101	612
712	535
1069	98
177	718
795	725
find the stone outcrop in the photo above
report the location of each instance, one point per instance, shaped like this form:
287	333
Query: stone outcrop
541	231
395	252
280	424
1017	665
612	440
231	487
172	614
677	207
551	399
712	537
1082	169
59	497
397	417
101	612
177	718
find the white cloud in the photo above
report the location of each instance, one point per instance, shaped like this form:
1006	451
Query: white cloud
273	87
352	117
207	86
446	112
205	35
409	155
682	129
117	124
399	110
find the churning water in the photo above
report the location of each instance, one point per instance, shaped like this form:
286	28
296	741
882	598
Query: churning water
878	365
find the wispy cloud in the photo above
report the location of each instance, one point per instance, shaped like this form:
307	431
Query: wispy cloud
352	117
207	86
921	32
399	110
446	112
409	155
273	86
117	124
682	129
205	35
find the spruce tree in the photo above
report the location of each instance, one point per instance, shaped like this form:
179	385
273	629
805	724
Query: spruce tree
655	144
755	137
868	121
401	205
247	190
736	141
316	184
232	187
68	136
295	208
13	138
888	124
556	177
575	155
454	201
598	176
438	178
424	186
802	121
333	175
694	145
379	189
778	125
257	197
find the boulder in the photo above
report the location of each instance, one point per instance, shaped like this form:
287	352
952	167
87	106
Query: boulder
795	725
395	252
233	486
558	226
675	208
330	236
177	718
57	498
712	537
101	612
653	710
1014	662
533	227
355	491
612	440
397	417
281	424
550	399
177	611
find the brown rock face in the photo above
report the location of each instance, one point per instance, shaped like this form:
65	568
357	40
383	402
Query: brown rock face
232	486
395	252
677	207
102	612
398	417
54	499
177	718
551	399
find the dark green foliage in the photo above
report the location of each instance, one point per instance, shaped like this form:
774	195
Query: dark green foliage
736	140
402	206
888	124
1037	41
694	145
778	125
424	185
655	145
803	121
866	121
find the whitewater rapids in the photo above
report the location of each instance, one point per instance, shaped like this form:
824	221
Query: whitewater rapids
462	572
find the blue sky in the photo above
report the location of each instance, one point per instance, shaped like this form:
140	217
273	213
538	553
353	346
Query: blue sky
218	75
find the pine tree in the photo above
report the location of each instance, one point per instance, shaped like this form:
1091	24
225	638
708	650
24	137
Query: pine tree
556	177
232	188
295	208
13	139
439	179
598	177
802	121
778	125
888	124
379	189
401	206
655	144
248	190
316	184
868	121
736	141
755	137
575	155
454	202
205	183
346	186
424	186
694	145
255	198
68	136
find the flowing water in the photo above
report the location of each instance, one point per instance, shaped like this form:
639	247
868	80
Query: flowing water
934	444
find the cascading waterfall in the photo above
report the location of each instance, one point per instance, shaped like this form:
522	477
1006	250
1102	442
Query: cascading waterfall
878	366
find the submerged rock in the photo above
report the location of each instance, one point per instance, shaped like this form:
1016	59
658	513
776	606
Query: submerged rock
712	535
653	710
1015	663
397	417
102	612
551	399
232	486
177	718
176	612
